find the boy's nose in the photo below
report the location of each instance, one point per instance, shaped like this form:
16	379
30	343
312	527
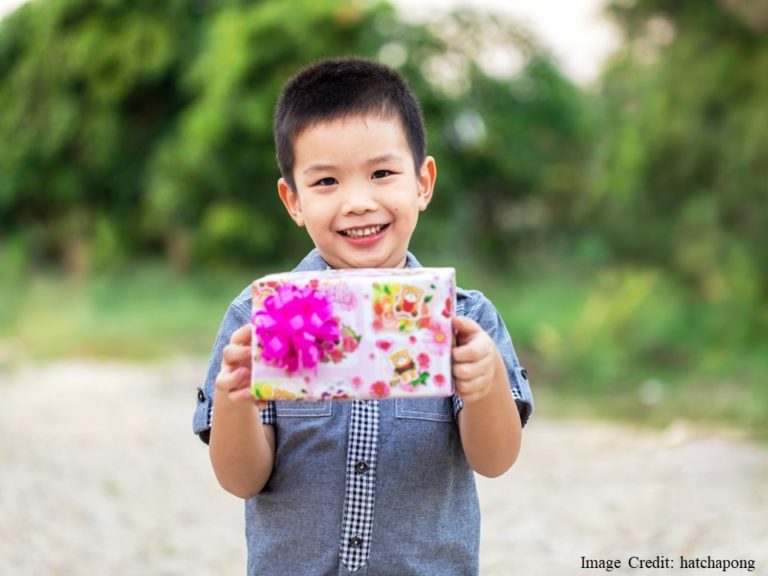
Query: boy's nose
357	201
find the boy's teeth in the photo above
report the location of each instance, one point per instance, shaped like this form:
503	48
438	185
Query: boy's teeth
362	232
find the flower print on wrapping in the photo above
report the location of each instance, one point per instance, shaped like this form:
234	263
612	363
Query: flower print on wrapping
350	339
266	391
401	308
438	338
380	389
347	343
447	308
338	395
383	306
404	386
335	356
384	344
374	315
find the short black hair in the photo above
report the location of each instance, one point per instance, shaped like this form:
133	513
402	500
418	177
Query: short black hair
334	88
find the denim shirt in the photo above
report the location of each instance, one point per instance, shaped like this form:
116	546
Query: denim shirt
424	516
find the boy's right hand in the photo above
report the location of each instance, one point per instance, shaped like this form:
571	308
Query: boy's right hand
234	378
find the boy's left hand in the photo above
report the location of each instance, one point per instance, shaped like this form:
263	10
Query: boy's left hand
474	360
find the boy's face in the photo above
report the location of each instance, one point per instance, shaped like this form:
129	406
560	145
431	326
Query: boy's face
357	191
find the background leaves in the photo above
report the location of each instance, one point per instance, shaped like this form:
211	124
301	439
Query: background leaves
132	129
620	228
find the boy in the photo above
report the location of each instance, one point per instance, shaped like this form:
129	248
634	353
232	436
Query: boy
361	487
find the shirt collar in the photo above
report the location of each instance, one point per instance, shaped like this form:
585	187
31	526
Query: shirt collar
313	262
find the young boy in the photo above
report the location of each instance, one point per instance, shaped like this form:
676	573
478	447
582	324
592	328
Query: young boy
361	487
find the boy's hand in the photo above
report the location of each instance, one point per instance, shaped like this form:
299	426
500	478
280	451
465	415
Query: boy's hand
474	360
489	423
234	378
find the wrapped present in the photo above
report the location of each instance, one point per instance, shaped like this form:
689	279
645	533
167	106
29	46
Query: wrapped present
353	334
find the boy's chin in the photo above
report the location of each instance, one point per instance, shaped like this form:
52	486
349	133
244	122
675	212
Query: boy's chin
371	261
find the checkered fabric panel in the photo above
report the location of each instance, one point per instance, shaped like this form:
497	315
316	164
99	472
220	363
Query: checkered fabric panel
457	406
357	526
268	415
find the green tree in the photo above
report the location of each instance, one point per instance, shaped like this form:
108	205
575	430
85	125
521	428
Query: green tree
130	129
86	88
682	170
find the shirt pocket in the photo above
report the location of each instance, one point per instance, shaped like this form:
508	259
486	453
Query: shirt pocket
303	409
432	409
424	433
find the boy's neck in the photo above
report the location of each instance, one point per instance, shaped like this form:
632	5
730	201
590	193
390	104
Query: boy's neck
314	261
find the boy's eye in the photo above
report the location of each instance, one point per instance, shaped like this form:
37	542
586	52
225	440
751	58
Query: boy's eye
381	174
325	182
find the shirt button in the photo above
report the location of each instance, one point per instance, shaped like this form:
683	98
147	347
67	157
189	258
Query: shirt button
355	542
361	467
200	395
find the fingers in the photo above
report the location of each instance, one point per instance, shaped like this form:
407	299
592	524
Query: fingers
238	351
470	352
465	329
465	325
473	360
474	344
242	335
236	354
234	377
466	372
241	395
229	381
471	390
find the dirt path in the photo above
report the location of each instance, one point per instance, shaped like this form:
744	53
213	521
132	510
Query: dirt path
102	476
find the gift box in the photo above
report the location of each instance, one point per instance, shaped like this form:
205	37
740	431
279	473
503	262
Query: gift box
353	334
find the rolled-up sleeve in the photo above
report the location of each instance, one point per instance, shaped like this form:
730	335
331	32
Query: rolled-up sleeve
474	305
238	314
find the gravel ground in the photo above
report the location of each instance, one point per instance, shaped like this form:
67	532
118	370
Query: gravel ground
102	476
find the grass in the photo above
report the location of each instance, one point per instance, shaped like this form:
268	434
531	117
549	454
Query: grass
138	314
630	344
620	344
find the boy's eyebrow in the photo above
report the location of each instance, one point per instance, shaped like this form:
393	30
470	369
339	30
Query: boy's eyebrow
385	158
375	160
318	168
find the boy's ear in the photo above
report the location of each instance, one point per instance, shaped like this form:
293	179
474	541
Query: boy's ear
291	201
426	181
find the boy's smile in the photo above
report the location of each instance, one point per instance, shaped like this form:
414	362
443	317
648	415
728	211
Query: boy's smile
357	190
366	234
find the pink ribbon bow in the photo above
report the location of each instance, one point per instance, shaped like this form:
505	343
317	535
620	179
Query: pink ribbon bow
295	327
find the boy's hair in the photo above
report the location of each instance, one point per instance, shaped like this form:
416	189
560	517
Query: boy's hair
334	88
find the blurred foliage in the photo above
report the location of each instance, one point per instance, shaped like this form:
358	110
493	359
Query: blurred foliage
682	163
132	128
630	343
620	229
141	312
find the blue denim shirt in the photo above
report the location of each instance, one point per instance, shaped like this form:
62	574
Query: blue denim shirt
426	517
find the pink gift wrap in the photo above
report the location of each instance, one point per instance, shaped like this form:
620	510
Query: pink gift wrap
353	334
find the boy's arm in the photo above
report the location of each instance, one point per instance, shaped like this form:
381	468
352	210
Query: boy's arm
242	449
489	421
